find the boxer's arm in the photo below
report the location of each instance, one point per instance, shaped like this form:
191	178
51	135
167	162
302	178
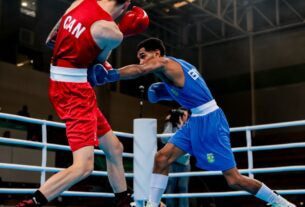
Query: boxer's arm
102	76
134	71
104	55
50	42
107	36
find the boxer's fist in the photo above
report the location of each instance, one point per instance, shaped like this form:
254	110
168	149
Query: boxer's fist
158	92
98	75
134	22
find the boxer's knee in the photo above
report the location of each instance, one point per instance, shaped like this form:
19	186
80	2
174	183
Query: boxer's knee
83	162
115	152
236	182
82	170
111	146
118	149
87	170
162	161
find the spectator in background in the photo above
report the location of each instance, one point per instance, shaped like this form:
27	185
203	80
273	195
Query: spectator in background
33	130
24	111
7	134
50	117
174	121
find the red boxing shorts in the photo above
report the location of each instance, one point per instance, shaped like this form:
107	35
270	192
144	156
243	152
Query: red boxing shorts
75	103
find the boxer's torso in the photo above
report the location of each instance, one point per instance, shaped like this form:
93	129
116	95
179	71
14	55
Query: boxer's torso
194	92
75	46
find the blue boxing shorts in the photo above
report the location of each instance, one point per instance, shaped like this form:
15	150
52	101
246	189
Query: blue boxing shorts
207	138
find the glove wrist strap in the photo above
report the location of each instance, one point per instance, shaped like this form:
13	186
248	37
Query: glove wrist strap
113	75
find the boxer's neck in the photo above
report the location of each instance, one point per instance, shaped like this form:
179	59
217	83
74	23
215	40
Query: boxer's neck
109	6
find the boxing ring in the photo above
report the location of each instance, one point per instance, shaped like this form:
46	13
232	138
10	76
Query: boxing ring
249	149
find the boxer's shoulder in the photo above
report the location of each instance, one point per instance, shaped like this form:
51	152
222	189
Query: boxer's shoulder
106	32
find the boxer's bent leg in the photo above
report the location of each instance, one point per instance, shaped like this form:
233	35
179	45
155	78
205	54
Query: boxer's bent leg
240	182
82	167
75	104
113	149
255	187
165	157
178	145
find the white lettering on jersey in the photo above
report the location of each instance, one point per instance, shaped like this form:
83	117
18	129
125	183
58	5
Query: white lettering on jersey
194	73
69	24
79	29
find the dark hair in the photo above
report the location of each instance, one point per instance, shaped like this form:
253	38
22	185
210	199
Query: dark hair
175	115
185	109
152	44
121	1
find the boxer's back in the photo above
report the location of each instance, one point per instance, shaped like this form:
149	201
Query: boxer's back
75	47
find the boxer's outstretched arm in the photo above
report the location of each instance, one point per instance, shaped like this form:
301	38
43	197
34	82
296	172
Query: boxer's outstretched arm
99	75
134	71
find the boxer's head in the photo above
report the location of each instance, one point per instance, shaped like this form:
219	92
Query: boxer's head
115	7
121	7
150	48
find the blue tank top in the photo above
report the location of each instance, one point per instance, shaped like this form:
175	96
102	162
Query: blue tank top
195	91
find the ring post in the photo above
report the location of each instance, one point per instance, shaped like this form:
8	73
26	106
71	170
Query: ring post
145	148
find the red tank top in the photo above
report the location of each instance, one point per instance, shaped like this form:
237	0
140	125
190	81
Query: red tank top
74	45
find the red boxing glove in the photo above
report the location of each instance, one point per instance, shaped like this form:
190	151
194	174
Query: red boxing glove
134	22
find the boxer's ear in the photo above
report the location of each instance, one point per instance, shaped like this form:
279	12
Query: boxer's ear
157	53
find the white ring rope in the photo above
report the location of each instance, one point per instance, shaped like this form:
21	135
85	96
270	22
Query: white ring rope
49	146
50	123
249	148
255	128
178	195
48	169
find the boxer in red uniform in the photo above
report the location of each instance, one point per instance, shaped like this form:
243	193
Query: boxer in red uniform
86	33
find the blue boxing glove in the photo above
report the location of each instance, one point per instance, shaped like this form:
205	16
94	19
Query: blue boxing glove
158	92
98	75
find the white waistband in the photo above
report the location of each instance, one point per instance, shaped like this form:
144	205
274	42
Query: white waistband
205	109
75	75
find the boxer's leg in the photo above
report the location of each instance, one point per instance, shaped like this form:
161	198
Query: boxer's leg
82	167
113	149
240	182
163	159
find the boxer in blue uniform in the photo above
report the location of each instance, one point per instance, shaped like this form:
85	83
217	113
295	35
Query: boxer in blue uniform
206	135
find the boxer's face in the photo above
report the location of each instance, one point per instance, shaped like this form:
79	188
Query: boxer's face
185	116
145	56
